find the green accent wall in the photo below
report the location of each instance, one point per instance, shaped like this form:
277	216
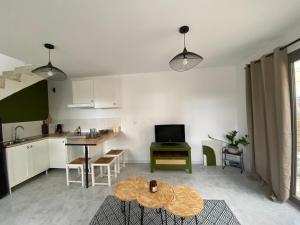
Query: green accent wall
28	104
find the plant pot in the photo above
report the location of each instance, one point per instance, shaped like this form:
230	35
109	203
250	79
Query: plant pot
233	149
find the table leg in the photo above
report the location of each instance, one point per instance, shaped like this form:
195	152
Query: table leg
182	219
142	214
123	210
86	154
129	206
196	219
166	217
161	216
175	220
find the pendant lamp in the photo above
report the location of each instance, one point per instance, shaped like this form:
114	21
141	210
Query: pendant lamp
49	71
185	60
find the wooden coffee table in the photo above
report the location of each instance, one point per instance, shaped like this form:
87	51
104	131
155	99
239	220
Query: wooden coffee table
186	203
127	191
157	200
179	200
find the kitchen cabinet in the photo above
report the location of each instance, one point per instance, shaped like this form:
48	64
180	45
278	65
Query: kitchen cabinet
27	160
57	155
18	164
39	157
83	91
107	92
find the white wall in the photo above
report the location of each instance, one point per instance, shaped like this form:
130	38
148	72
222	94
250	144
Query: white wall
204	100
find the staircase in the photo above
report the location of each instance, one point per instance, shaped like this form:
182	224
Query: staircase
17	79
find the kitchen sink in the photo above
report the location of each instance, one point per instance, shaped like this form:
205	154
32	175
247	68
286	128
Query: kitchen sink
18	141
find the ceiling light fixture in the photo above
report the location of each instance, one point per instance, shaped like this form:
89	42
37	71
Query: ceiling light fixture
185	60
49	71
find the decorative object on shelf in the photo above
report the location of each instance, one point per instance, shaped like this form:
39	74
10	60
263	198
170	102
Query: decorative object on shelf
234	141
185	60
49	71
153	186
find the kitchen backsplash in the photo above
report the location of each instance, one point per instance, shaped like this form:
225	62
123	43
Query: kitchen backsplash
86	124
31	128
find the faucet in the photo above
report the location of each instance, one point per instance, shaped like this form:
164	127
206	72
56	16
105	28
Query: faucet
16	129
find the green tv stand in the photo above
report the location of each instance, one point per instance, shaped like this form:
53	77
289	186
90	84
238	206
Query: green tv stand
172	156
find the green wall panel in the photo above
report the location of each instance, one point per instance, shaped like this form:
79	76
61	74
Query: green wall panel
29	104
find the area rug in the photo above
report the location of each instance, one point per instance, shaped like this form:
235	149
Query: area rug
214	212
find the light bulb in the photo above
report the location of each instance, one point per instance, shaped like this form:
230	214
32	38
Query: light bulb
185	61
50	73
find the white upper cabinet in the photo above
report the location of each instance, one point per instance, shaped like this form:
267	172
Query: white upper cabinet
107	92
83	91
98	92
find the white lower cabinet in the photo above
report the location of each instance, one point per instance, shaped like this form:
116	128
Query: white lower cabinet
39	157
18	164
27	160
57	153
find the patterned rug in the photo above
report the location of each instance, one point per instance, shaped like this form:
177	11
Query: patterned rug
109	213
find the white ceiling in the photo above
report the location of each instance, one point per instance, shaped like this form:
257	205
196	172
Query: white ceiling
97	37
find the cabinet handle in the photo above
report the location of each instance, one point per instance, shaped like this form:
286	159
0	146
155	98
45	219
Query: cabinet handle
27	146
63	142
30	146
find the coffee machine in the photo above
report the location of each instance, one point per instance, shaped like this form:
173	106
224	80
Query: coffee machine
59	128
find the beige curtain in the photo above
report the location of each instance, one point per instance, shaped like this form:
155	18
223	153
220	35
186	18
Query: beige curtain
269	121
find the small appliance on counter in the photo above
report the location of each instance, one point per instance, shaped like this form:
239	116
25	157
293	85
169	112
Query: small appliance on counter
4	189
59	128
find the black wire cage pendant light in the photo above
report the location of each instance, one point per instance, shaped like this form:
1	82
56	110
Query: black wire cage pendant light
185	60
49	71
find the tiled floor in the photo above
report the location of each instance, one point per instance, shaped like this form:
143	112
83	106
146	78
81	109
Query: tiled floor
47	200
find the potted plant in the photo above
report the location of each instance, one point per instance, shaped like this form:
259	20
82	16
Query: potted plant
234	141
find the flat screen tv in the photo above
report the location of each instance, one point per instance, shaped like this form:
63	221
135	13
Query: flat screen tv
169	133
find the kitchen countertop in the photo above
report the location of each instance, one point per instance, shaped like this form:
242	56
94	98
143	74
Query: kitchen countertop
73	139
37	138
92	141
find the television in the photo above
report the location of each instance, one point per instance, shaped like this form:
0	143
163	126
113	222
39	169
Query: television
169	133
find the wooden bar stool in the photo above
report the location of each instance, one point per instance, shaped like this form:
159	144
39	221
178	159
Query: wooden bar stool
75	164
104	162
118	154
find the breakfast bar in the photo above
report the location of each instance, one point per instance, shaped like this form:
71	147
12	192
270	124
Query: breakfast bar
87	142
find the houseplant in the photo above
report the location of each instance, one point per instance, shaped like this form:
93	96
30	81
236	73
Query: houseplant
234	141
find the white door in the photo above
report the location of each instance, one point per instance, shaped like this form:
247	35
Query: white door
83	92
106	92
57	153
39	157
19	164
